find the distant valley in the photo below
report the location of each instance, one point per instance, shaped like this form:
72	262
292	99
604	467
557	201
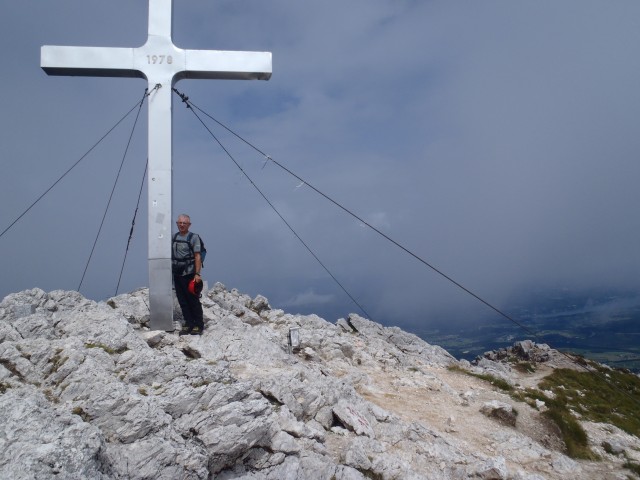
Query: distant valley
603	326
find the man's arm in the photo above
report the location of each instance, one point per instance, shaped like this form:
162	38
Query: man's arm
198	262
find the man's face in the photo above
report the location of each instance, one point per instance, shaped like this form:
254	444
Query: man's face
183	225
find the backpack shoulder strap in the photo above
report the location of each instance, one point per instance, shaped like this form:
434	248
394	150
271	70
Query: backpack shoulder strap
189	238
187	241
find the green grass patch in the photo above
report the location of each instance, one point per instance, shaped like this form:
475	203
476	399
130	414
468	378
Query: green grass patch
607	396
634	467
574	436
57	361
106	348
371	474
81	413
49	395
201	383
11	367
611	396
524	367
495	381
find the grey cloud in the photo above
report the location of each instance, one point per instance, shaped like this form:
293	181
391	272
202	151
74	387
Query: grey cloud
498	141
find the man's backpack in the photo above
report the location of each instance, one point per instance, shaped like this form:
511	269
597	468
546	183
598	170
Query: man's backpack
192	255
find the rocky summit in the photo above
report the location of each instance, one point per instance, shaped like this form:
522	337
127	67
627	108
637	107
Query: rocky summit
87	391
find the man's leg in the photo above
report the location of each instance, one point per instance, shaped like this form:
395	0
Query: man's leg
196	313
182	292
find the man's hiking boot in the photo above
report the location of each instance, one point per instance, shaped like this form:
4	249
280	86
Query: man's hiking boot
196	331
185	331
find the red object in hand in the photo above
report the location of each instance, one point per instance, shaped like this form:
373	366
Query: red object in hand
195	287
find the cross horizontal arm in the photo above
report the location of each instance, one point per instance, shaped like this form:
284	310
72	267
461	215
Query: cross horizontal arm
89	61
221	64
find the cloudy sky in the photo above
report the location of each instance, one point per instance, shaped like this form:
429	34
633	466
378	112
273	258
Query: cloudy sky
497	140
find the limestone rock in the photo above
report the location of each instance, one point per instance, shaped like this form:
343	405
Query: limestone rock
87	391
39	440
494	368
353	419
503	412
494	469
524	350
260	304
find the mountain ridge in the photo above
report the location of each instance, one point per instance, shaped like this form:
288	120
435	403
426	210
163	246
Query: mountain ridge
87	391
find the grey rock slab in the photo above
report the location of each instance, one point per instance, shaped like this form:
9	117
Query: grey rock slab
38	440
494	469
352	418
502	412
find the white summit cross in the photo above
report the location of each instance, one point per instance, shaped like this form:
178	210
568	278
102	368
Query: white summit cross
162	64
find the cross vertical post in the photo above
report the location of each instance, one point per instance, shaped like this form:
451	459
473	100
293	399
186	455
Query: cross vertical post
162	64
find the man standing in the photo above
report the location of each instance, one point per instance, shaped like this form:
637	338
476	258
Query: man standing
186	263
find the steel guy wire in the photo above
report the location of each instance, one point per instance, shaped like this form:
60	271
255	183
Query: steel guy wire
124	156
69	170
268	158
185	100
133	223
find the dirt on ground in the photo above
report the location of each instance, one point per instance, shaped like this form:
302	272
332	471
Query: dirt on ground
449	401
